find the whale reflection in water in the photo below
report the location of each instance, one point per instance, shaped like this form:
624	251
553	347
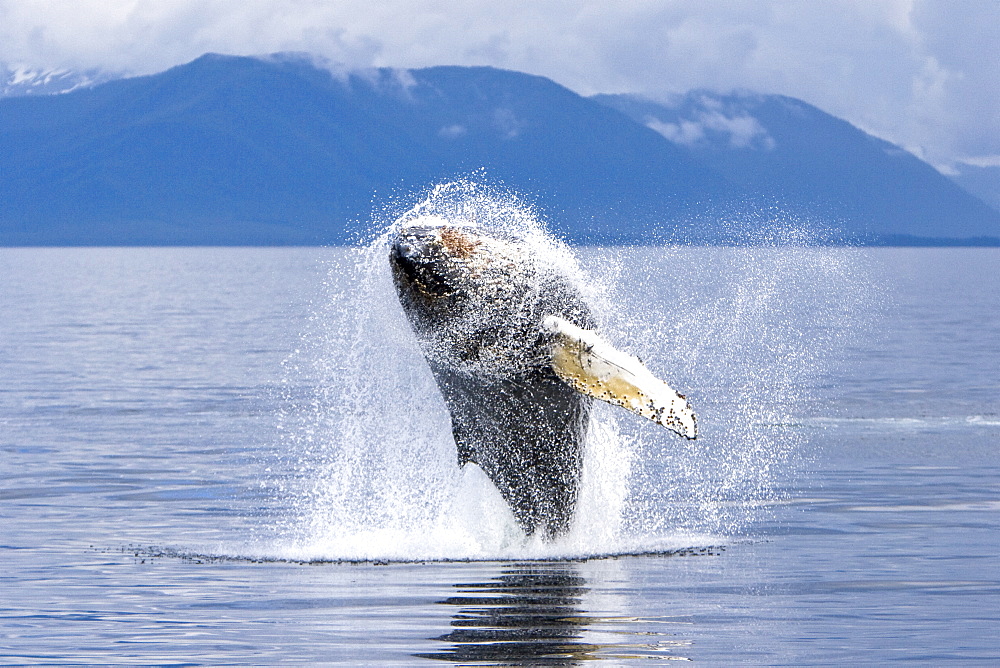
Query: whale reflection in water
531	615
528	615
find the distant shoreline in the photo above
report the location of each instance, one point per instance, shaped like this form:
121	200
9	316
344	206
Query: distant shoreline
884	242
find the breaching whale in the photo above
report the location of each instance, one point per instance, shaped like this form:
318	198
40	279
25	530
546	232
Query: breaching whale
512	348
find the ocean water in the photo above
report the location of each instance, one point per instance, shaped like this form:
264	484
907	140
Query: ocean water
232	456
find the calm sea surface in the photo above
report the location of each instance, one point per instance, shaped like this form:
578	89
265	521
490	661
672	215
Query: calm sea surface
157	458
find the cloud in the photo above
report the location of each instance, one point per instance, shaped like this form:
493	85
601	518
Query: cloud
921	73
453	131
742	131
507	123
963	102
683	132
983	161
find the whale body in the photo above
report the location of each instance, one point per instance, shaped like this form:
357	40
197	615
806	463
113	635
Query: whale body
511	345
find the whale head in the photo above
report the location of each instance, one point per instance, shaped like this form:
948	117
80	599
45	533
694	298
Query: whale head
475	298
434	262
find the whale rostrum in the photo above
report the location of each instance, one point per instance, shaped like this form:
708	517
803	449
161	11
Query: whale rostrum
513	350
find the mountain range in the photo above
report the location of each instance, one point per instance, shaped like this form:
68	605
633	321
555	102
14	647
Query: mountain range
810	163
283	150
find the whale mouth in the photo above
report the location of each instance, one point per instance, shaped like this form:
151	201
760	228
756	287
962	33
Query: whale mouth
417	259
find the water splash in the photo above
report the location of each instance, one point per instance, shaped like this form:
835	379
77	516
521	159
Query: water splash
751	332
743	331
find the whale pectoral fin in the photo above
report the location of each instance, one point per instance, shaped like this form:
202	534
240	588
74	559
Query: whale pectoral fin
592	366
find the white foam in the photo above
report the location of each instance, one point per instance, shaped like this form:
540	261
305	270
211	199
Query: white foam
966	506
905	423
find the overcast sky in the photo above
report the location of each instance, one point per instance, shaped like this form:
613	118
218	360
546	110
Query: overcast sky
922	73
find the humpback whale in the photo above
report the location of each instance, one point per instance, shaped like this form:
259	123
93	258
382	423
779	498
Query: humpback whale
513	349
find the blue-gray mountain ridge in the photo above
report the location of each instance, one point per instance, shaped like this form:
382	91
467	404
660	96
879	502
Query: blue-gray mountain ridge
277	150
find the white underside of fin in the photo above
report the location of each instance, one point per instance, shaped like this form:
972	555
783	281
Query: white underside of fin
592	366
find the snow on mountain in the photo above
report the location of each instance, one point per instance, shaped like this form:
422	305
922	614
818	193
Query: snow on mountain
20	80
